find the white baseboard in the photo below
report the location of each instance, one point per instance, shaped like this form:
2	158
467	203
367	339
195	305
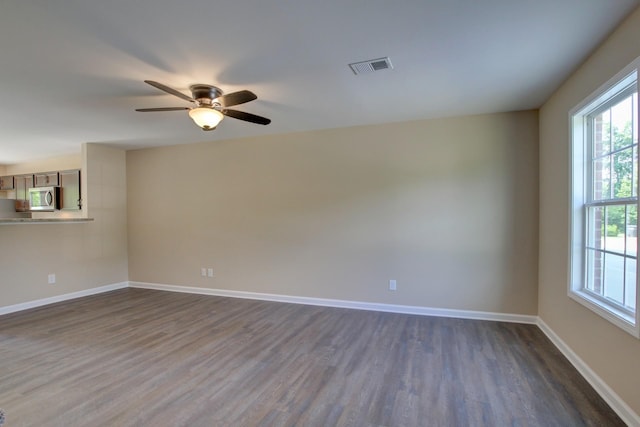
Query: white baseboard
623	410
59	298
357	305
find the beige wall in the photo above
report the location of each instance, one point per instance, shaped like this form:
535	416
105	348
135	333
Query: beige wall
610	352
446	207
83	256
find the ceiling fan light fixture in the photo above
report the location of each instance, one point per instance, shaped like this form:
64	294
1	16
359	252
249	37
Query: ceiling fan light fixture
206	117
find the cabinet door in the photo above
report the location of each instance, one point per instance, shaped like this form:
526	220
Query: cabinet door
22	185
70	190
6	182
46	179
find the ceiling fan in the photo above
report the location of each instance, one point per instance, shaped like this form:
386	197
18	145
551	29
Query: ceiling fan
210	105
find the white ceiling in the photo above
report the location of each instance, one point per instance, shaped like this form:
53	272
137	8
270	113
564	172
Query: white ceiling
72	71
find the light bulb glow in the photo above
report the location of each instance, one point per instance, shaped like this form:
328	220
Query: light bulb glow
205	117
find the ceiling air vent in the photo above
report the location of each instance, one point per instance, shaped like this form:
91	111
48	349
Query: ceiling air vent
371	65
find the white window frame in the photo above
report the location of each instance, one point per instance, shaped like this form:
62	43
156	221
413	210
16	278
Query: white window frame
579	185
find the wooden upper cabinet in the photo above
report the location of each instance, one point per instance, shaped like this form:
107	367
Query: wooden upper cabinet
22	185
46	179
70	190
6	183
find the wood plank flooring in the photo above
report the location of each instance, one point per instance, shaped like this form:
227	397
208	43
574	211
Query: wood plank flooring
137	357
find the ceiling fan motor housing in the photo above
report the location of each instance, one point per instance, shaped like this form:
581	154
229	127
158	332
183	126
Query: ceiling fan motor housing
205	94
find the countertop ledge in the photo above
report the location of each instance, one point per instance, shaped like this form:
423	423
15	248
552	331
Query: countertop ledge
7	221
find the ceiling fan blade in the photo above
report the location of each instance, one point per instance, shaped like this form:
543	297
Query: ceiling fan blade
247	117
236	98
169	90
148	110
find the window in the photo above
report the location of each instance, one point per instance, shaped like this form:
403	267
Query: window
604	196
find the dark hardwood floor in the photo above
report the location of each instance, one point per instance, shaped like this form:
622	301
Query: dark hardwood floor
137	357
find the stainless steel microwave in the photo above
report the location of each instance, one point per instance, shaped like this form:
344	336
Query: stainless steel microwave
44	198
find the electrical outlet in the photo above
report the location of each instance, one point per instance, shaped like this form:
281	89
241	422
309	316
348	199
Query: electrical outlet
210	272
51	278
203	272
392	285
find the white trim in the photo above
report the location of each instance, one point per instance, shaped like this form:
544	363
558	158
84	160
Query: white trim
616	403
618	318
357	305
604	91
579	185
59	298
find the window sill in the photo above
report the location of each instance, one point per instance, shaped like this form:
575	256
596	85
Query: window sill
619	318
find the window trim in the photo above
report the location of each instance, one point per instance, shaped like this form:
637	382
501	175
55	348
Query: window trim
578	186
